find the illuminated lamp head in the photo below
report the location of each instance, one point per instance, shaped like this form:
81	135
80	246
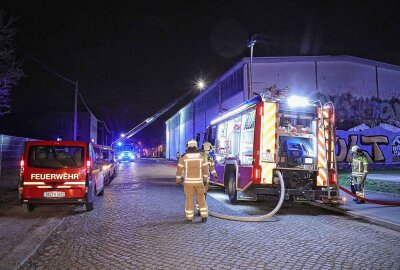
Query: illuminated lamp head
297	101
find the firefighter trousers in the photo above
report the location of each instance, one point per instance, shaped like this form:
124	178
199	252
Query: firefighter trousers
359	182
206	186
197	190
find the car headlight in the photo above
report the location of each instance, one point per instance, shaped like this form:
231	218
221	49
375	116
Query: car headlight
308	160
120	156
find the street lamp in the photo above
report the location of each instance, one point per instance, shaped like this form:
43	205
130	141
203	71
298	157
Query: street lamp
200	84
251	44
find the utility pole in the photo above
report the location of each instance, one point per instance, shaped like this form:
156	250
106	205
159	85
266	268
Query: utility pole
76	112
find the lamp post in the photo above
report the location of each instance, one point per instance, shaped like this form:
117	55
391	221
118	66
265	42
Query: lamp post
76	112
251	44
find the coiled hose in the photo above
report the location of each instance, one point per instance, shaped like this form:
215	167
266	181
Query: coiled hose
257	218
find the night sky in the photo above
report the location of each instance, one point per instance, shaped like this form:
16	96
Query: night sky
133	57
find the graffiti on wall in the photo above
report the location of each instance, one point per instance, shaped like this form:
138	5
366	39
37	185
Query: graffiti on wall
352	111
378	144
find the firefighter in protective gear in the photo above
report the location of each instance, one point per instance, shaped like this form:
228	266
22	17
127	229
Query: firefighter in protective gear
195	168
207	147
359	171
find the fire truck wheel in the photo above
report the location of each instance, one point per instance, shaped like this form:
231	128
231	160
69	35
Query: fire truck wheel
26	207
232	191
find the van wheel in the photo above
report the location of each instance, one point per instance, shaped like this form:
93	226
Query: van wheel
107	180
232	190
26	207
89	205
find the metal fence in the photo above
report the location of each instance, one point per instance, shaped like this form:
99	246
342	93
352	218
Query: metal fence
10	154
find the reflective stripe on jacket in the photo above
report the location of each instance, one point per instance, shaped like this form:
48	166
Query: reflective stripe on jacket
194	166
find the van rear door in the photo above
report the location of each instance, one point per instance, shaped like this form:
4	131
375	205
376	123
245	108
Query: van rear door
54	171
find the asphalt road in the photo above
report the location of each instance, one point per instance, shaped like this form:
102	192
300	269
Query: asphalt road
139	224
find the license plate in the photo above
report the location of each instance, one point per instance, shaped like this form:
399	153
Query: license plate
308	167
54	194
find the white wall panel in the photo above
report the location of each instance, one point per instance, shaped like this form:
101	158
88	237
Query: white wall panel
232	102
211	114
200	126
299	77
188	131
167	141
340	77
389	83
182	141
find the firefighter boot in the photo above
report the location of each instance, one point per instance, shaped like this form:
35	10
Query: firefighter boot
360	189
353	190
356	188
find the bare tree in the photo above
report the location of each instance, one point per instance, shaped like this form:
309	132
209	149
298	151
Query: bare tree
10	68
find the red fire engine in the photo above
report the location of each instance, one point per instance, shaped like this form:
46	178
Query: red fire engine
269	133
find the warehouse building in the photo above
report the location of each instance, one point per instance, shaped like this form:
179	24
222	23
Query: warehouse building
364	91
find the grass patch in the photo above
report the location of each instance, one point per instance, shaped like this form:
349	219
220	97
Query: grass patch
373	184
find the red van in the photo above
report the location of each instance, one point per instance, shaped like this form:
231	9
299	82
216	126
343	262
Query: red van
60	172
107	156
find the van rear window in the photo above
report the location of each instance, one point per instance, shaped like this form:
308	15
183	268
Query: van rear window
55	157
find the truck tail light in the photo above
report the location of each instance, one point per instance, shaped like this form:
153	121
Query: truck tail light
332	177
88	166
22	167
257	174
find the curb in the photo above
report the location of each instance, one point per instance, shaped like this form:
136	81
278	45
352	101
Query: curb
374	220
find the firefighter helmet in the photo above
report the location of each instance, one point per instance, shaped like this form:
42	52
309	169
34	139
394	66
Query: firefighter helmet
192	144
355	149
207	146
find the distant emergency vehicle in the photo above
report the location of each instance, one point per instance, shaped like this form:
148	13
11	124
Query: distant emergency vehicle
126	153
269	133
60	172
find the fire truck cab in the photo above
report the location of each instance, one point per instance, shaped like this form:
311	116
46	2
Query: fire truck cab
60	172
265	134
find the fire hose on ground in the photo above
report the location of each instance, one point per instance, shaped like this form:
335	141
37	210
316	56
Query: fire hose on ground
257	218
394	203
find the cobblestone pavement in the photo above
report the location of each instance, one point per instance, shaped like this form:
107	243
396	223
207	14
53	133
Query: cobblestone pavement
139	224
